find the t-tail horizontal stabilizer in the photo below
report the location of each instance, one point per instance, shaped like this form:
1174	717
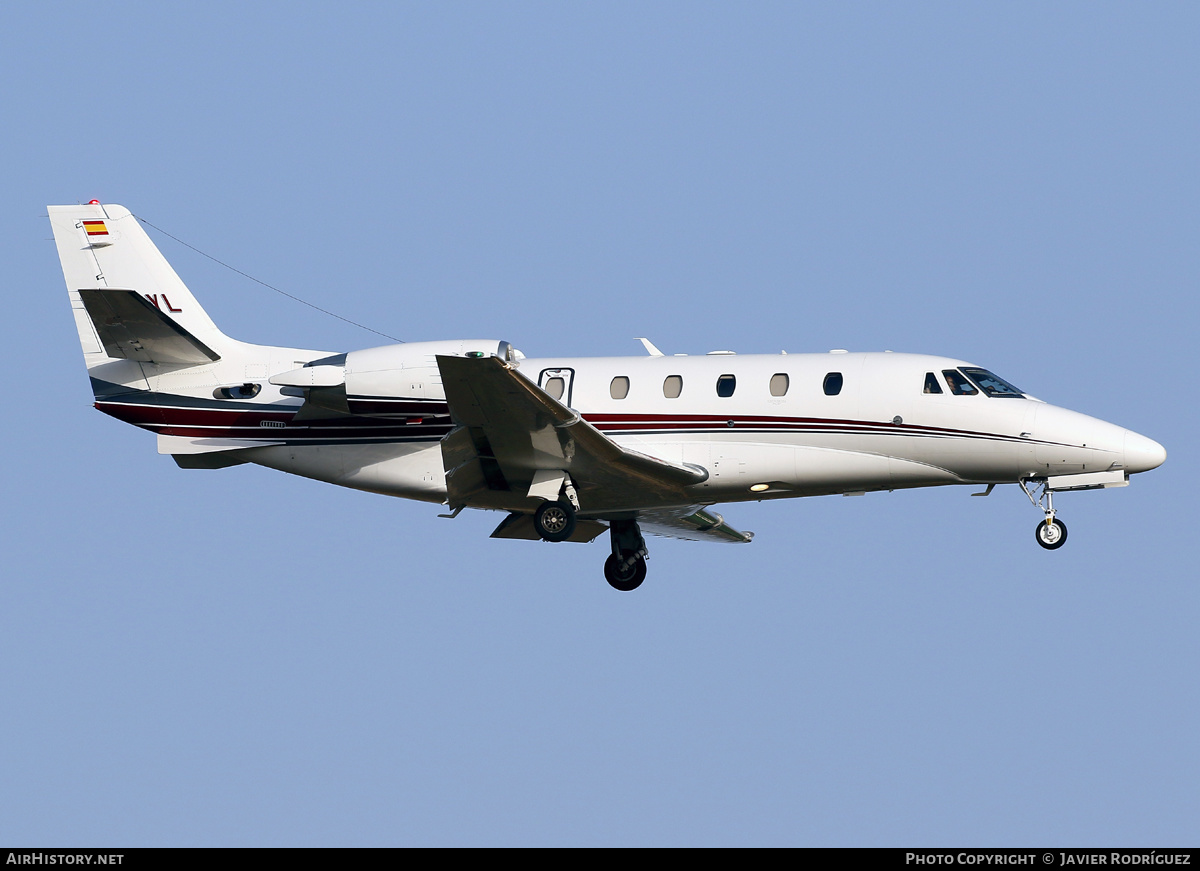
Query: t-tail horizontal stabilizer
130	327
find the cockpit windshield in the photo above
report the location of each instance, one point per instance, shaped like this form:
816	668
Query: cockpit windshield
992	385
959	385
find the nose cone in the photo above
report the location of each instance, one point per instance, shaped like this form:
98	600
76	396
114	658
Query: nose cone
1142	454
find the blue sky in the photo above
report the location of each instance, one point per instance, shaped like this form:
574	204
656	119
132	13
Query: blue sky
241	657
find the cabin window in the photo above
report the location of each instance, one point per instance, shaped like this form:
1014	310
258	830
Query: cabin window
555	387
959	385
992	385
931	383
619	388
673	386
241	391
779	384
833	384
726	384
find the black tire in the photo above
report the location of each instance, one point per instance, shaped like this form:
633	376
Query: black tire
1051	537
554	521
628	580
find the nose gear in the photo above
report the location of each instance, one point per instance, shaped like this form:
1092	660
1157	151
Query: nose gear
1051	533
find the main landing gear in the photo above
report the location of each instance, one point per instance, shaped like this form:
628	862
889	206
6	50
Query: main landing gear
625	568
554	521
1051	533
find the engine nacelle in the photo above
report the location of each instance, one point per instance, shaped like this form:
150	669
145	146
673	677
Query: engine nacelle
389	381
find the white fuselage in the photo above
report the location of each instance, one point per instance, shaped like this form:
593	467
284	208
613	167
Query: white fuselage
881	431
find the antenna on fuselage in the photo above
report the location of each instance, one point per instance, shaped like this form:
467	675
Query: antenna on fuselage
650	349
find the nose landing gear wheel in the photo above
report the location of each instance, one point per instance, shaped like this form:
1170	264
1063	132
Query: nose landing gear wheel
624	579
1052	534
554	521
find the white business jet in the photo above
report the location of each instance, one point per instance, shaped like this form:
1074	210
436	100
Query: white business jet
566	447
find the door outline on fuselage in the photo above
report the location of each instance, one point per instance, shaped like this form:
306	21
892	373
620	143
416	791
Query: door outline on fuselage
568	377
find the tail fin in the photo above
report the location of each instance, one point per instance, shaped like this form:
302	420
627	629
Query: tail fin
128	301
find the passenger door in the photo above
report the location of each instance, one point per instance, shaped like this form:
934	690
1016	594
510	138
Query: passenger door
558	383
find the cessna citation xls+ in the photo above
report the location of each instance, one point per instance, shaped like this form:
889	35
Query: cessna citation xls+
566	447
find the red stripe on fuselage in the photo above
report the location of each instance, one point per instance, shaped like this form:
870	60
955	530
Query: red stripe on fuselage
612	423
247	423
244	423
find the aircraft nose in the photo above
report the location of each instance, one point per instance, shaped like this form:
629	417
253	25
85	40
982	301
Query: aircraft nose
1142	454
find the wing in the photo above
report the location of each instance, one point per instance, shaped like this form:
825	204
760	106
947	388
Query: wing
513	445
690	524
698	524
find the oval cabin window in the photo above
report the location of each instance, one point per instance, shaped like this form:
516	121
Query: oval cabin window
833	384
555	387
673	386
726	384
779	384
619	388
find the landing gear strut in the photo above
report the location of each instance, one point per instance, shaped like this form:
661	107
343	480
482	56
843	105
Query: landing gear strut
1051	533
625	569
